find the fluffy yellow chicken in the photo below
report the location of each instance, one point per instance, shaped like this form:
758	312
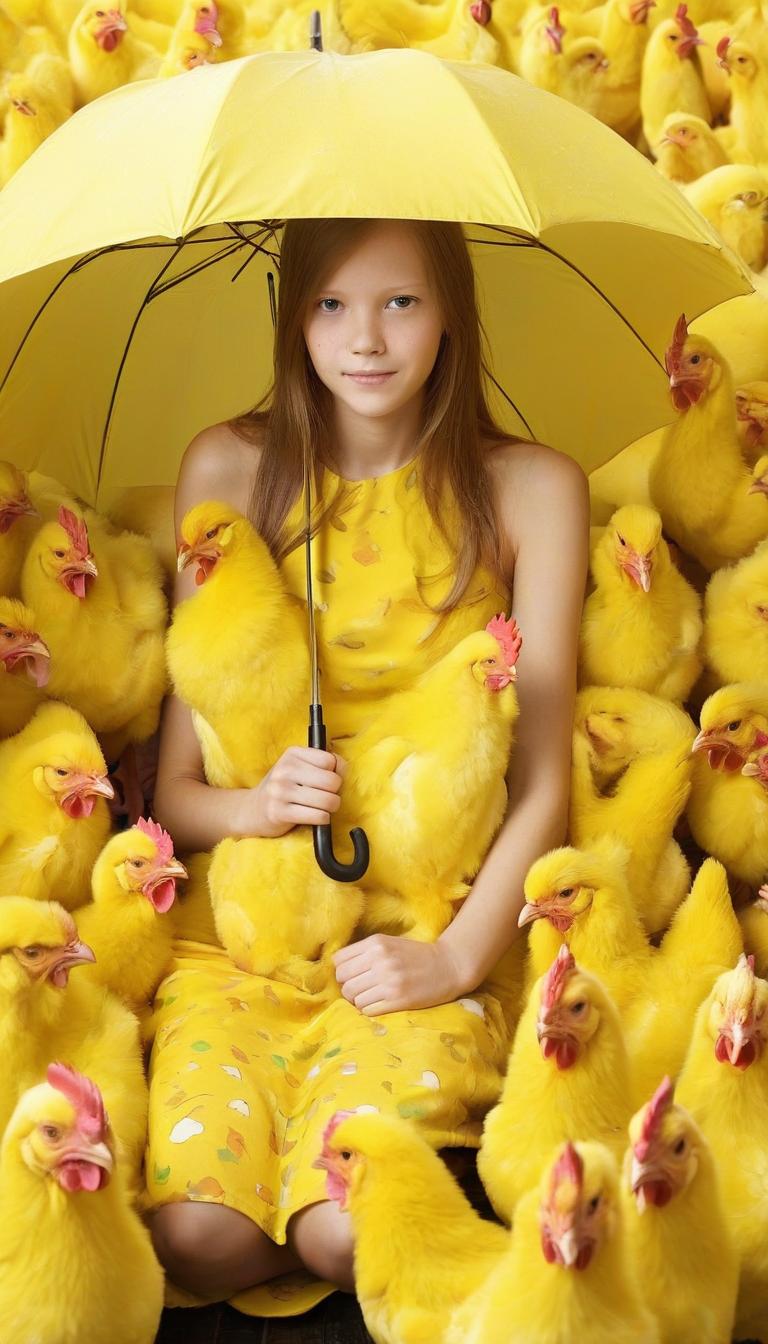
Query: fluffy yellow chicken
568	1076
753	919
453	29
724	1085
24	666
103	54
437	1250
186	51
752	417
733	198
631	777
676	1225
642	625
567	1274
33	114
53	812
426	780
735	644
126	924
745	59
98	598
672	79
239	643
220	23
699	481
43	1013
687	149
77	1260
727	810
17	527
276	912
622	27
739	330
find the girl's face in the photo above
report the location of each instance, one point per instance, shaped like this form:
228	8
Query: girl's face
375	312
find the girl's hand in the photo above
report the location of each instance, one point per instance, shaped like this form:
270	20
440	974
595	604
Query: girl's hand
381	974
302	788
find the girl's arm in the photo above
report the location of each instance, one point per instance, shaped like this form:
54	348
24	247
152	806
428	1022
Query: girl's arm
303	786
544	506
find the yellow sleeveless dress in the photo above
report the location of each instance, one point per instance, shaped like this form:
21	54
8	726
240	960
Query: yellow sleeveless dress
245	1072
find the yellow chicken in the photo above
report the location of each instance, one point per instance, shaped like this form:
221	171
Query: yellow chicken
430	800
240	641
453	29
99	601
676	1224
728	811
568	1076
547	33
739	330
18	522
745	59
53	812
699	481
567	1274
220	23
703	940
623	32
103	54
33	114
45	1014
724	1085
754	930
126	924
672	78
735	644
77	1260
642	625
186	51
276	912
24	666
630	778
687	149
752	417
734	198
437	1250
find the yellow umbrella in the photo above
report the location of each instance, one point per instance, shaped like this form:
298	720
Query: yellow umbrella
134	247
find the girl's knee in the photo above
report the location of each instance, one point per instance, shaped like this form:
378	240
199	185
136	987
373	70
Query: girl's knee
210	1250
322	1238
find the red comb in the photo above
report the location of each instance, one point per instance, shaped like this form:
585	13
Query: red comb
723	46
84	1096
654	1111
568	1167
557	977
675	350
333	1124
76	530
687	28
507	634
555	31
163	841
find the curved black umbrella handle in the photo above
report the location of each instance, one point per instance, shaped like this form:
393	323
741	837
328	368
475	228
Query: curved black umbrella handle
322	836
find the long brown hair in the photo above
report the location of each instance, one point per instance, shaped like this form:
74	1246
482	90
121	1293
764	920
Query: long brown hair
294	416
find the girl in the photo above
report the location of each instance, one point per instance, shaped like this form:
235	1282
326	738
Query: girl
428	511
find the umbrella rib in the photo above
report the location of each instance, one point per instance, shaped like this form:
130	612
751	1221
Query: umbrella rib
199	266
507	397
177	248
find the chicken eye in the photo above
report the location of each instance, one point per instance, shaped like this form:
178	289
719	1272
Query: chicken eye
51	1132
679	1147
137	863
99	13
733	726
578	1007
621	539
593	1204
695	359
567	893
32	952
62	773
59	554
211	533
345	1156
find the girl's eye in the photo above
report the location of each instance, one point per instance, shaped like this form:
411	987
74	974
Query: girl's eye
327	310
403	299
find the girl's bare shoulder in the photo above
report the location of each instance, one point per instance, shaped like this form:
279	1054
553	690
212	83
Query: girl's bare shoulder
534	485
217	464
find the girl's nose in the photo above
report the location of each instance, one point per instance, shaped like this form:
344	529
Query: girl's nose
367	337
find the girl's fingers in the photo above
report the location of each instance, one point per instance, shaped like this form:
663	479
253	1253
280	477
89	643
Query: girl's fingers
314	798
359	984
306	816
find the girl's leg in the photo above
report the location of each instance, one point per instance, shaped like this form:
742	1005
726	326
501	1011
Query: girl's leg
321	1237
213	1251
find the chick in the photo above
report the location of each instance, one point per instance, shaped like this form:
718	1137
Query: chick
752	417
437	1250
568	1075
734	199
44	1013
724	1085
186	51
240	641
103	54
623	32
642	625
567	1275
728	811
99	601
672	79
687	149
631	777
126	924
33	114
429	800
448	28
220	23
745	60
17	513
739	330
735	644
24	666
676	1224
276	912
63	1203
699	481
53	811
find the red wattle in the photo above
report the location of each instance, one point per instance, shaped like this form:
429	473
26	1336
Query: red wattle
162	895
78	805
80	1175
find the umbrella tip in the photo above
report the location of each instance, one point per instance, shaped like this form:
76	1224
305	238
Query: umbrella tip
315	31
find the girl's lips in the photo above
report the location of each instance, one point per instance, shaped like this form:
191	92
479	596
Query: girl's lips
369	379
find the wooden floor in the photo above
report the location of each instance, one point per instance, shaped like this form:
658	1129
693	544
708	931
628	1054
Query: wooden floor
335	1321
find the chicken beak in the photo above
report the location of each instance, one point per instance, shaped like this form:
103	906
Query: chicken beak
160	887
760	486
750	768
529	913
58	963
11	509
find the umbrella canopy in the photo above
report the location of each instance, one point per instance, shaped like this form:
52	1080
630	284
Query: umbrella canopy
135	246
